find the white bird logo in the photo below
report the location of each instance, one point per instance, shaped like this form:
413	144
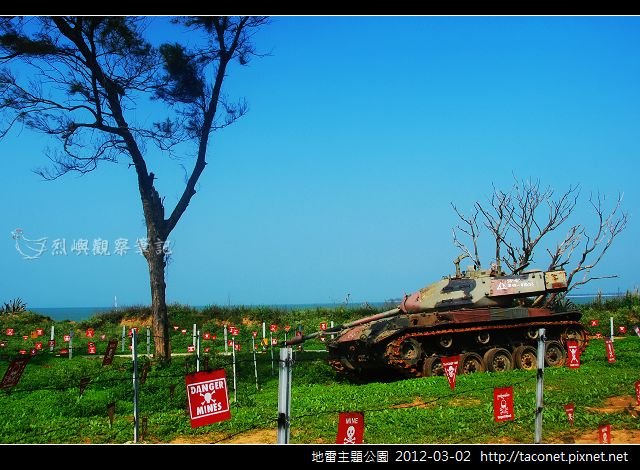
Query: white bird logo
29	249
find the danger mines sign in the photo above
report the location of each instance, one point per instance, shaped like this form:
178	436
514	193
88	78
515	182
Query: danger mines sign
208	398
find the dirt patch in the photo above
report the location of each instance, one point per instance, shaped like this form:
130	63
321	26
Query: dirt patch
416	403
256	436
618	436
618	404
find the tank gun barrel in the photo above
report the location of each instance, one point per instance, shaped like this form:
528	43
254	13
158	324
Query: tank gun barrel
338	328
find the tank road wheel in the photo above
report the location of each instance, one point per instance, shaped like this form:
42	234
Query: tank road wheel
471	362
411	351
532	333
498	360
573	333
432	367
445	341
483	338
554	354
525	357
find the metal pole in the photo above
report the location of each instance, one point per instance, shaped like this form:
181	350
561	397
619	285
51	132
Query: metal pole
198	351
255	363
123	332
134	350
332	336
540	386
284	395
193	340
53	337
226	345
148	342
271	346
233	352
611	318
264	334
70	344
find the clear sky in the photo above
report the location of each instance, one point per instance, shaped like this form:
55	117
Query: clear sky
361	133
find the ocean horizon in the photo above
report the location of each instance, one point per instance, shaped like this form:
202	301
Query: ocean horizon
84	313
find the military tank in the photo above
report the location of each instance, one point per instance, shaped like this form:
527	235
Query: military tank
490	319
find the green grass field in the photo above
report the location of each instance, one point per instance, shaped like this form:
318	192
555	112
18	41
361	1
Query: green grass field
47	406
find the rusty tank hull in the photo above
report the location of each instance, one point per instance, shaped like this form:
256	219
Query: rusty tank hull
489	319
486	339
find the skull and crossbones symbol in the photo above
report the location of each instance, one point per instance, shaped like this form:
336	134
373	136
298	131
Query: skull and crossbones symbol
208	398
351	435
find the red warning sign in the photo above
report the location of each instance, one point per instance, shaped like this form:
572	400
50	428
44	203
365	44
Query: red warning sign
39	345
569	408
207	336
208	399
254	333
67	338
40	331
622	330
450	367
350	428
503	404
90	332
14	372
593	322
191	348
604	434
598	335
51	343
287	328
638	392
323	326
110	352
574	354
611	354
273	328
10	331
234	331
91	348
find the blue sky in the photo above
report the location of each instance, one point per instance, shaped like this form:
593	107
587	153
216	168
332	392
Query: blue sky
361	133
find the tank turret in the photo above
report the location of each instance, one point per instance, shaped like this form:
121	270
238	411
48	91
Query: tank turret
491	320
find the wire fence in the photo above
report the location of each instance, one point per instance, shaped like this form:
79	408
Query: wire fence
162	390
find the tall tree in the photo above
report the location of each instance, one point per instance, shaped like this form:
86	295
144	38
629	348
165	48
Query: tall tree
521	219
82	80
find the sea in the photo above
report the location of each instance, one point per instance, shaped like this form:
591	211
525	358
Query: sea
84	313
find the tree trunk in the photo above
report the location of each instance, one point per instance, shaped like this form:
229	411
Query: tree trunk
158	304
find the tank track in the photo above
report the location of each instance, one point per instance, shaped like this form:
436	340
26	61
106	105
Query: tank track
416	352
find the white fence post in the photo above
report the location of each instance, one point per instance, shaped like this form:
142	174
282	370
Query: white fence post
255	363
134	352
540	385
611	319
233	352
284	394
198	351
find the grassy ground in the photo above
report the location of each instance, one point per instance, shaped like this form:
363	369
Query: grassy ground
47	406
